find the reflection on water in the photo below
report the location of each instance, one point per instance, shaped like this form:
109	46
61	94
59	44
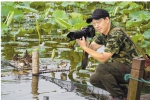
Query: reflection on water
34	85
22	86
27	87
89	92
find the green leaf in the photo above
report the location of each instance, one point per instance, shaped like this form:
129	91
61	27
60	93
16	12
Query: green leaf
139	15
30	30
76	15
46	25
131	23
145	44
18	14
123	4
53	54
6	9
134	6
4	27
40	6
137	37
52	21
60	14
65	4
27	8
63	23
9	18
21	32
147	34
78	26
145	26
76	20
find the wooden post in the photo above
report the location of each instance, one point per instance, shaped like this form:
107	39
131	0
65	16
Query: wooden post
34	85
137	71
35	63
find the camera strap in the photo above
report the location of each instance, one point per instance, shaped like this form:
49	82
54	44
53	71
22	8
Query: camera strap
85	58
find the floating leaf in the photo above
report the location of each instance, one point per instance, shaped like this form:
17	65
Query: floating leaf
54	91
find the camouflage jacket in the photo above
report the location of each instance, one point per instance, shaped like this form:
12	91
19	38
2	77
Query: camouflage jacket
119	44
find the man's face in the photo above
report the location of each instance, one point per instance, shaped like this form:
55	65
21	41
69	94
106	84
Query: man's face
101	25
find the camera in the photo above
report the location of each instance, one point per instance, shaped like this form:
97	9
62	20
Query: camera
87	31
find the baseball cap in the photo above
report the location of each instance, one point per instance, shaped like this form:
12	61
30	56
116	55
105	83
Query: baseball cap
97	14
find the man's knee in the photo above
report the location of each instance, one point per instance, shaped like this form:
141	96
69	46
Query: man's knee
93	78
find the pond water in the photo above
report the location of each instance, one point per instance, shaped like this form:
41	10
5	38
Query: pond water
22	85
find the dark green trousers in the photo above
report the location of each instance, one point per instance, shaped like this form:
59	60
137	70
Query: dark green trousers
109	76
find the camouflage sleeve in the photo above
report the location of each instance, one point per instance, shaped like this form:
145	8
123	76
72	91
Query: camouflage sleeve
114	42
98	40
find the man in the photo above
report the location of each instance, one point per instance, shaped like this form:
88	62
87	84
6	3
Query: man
118	48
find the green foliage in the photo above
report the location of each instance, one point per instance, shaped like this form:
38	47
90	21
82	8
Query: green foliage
63	23
60	14
27	9
4	28
70	16
9	18
147	34
40	6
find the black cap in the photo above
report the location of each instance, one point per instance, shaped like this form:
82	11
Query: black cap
97	14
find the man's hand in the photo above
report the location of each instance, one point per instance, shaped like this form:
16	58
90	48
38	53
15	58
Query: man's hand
102	57
82	42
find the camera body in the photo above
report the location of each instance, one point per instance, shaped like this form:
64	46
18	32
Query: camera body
88	31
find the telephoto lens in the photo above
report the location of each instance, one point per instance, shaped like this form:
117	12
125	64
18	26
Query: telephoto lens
88	31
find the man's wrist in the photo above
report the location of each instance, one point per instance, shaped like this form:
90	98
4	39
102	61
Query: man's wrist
84	47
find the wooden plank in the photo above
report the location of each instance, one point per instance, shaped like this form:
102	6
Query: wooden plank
134	90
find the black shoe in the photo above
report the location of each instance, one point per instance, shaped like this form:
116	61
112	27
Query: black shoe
125	90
